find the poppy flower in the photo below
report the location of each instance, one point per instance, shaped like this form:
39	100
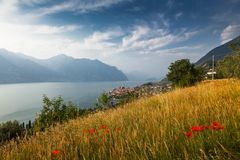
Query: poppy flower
92	130
55	152
197	128
189	134
216	125
85	130
104	127
107	131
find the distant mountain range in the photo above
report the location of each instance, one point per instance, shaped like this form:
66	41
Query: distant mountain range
19	68
218	52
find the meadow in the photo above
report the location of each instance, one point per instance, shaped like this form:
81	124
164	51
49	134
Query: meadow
154	127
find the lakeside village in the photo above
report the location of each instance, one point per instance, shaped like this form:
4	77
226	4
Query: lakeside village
124	94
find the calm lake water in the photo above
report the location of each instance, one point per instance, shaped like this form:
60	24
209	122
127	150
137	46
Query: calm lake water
23	101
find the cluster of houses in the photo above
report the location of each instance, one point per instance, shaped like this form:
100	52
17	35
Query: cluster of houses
147	89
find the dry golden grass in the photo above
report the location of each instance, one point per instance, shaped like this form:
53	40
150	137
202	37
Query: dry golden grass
150	128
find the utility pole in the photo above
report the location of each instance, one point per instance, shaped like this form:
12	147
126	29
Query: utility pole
213	67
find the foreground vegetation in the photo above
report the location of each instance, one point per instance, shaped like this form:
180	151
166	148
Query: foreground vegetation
149	128
229	66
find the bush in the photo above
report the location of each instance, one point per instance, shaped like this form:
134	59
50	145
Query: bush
55	111
229	67
103	101
10	130
182	73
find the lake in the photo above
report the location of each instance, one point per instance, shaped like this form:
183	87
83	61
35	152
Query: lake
23	101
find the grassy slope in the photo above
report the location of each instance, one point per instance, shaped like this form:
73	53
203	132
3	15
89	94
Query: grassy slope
151	128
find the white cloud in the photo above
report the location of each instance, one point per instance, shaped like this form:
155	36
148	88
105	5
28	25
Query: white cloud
7	7
33	2
164	21
47	29
82	6
38	41
20	34
103	36
178	15
146	40
230	32
102	40
37	29
137	34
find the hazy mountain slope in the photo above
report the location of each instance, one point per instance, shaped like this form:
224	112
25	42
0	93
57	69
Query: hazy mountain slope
23	68
83	69
218	52
28	71
8	72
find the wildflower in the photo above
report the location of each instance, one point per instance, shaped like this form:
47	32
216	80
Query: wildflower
104	127
107	131
85	130
189	134
55	152
92	130
197	128
216	125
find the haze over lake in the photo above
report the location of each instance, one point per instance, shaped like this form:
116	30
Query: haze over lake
23	101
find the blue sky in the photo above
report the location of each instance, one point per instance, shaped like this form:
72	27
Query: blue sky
134	35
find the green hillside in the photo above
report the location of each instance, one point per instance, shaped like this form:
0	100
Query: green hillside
219	52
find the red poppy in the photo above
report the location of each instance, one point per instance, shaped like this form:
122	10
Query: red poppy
92	130
85	130
216	125
197	128
107	131
55	152
104	126
189	134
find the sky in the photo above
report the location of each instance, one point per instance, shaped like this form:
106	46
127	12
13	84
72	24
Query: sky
142	36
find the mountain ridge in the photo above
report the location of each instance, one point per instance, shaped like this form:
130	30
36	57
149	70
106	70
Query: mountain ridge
60	68
219	52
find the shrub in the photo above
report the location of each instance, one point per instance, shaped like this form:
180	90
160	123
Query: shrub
55	111
10	130
229	67
103	101
182	73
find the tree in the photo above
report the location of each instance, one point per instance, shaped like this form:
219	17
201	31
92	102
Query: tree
103	101
229	67
55	111
10	130
182	73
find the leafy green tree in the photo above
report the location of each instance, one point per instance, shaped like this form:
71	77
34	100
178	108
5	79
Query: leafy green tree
55	111
103	101
10	129
229	67
182	73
